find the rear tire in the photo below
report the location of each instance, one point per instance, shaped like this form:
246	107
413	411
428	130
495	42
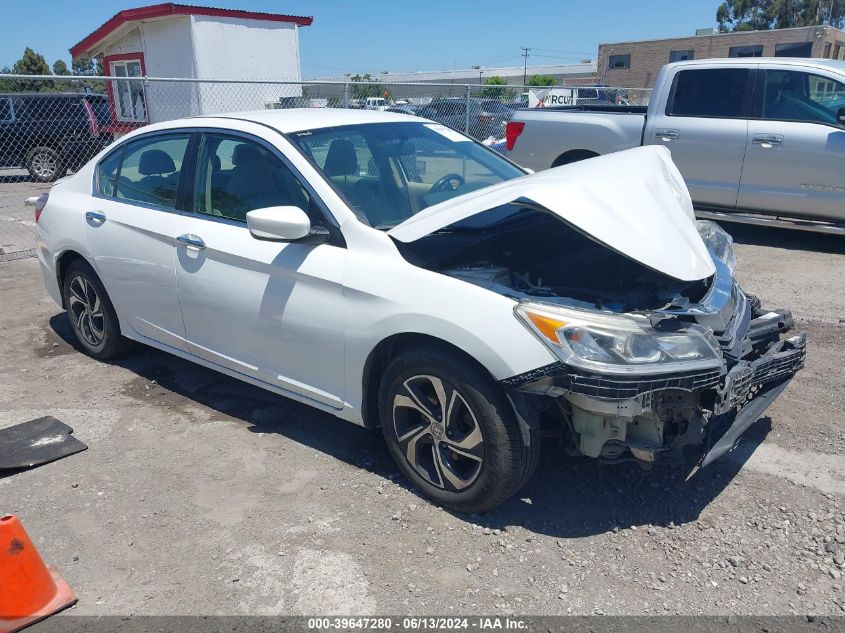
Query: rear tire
91	313
452	430
45	164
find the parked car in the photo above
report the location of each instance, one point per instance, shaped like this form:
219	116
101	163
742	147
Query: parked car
376	103
49	133
483	121
402	109
467	309
599	94
758	140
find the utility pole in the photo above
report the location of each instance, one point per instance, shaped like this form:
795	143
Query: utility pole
525	52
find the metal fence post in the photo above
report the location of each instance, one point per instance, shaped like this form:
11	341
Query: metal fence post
346	95
466	114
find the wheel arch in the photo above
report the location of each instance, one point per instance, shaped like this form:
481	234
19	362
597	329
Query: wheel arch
385	351
573	156
63	262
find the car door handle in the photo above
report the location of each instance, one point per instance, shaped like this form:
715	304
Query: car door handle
768	140
667	135
95	216
191	240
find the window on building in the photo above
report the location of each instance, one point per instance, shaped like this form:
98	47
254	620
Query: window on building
717	92
681	56
746	51
791	95
827	50
129	102
619	61
836	51
795	49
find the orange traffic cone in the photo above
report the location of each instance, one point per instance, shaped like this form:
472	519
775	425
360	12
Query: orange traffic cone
29	590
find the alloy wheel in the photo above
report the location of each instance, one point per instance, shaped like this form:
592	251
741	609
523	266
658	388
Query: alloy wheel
44	164
86	311
438	432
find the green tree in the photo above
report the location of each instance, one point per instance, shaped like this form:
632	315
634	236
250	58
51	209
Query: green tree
60	68
87	67
542	80
7	85
491	88
365	86
761	15
31	63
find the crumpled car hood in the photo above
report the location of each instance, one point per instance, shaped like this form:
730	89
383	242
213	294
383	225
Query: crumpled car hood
634	202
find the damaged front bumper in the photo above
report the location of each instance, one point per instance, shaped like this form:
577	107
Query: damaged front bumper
671	416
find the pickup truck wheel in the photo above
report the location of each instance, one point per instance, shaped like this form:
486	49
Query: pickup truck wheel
45	164
452	431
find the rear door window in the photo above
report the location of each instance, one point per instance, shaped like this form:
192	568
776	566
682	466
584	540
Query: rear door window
711	93
148	172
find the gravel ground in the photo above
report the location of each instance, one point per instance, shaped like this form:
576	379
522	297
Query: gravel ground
202	495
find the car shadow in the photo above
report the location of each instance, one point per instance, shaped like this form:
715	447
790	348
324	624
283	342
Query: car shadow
785	238
567	497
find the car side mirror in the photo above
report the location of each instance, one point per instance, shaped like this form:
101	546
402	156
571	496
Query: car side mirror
284	224
840	116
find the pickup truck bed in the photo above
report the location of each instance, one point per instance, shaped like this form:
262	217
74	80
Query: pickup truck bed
757	140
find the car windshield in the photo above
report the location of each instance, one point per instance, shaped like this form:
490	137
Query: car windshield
388	172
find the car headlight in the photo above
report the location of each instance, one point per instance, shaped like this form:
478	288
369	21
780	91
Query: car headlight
620	344
718	242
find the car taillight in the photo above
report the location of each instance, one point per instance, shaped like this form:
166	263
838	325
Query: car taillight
92	118
512	131
40	203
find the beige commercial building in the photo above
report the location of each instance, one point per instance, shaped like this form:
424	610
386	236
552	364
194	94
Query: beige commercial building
636	64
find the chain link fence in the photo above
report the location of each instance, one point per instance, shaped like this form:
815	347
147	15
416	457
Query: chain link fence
51	125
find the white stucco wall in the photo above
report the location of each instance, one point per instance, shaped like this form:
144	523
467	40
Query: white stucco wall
236	48
169	52
205	47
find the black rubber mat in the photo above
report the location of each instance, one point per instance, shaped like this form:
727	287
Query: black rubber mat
36	442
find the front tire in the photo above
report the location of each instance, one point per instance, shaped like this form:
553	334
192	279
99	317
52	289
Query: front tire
90	311
452	430
45	164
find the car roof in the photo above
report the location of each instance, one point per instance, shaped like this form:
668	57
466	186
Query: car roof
807	62
298	119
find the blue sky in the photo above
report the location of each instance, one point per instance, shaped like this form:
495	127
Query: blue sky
397	35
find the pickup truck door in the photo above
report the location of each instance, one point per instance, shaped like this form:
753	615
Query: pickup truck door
794	159
704	124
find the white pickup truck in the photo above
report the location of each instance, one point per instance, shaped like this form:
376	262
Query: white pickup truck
760	141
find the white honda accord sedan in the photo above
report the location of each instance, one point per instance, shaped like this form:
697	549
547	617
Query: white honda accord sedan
397	274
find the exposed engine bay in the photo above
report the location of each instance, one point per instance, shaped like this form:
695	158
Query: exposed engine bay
693	364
